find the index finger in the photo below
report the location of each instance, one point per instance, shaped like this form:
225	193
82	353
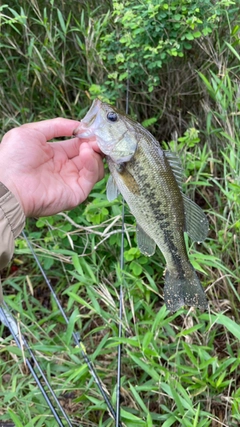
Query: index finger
54	128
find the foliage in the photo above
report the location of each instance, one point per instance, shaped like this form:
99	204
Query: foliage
147	33
177	370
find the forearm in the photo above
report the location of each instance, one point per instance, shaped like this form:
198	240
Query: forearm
12	220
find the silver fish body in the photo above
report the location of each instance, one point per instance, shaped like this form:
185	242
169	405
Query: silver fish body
150	181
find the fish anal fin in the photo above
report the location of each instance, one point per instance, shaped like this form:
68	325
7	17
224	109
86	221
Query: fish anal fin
196	222
145	243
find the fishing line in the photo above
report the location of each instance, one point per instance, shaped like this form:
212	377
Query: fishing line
121	299
75	336
9	321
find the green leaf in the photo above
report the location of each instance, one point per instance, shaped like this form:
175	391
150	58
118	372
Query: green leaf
169	422
15	419
230	324
138	399
70	327
233	50
149	122
136	268
145	367
132	420
80	300
61	21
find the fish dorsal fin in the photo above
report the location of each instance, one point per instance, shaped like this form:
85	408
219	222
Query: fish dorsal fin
176	166
196	222
145	243
112	190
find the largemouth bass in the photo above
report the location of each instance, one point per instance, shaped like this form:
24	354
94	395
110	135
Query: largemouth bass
150	181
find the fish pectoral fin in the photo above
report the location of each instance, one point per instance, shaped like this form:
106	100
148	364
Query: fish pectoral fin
196	222
112	190
176	166
145	243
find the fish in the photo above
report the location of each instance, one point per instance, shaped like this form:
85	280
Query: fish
150	180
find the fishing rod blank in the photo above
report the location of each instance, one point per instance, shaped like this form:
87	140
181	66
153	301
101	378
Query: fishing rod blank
119	363
121	301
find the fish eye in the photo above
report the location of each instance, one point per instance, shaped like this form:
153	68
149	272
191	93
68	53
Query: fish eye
112	116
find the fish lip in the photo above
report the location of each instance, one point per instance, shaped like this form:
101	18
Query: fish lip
89	123
83	131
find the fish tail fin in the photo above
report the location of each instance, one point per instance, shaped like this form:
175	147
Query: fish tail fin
184	290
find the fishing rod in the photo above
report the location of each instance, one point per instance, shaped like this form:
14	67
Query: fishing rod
120	315
121	300
9	321
76	338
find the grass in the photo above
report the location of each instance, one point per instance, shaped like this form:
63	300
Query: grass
177	370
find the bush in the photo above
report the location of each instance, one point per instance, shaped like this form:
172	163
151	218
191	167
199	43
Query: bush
147	34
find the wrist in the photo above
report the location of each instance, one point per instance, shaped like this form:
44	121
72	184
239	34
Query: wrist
11	211
7	171
10	186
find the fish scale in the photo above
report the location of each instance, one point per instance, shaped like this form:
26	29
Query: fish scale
150	181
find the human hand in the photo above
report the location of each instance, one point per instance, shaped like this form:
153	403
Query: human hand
48	177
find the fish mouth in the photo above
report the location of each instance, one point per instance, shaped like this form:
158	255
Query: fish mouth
89	126
92	125
90	122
